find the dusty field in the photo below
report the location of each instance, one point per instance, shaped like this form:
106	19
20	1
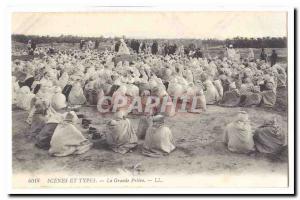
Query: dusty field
199	148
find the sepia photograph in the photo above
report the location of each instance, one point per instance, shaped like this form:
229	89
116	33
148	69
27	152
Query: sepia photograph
151	99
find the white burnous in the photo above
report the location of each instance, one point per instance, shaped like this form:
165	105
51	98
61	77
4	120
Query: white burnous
123	49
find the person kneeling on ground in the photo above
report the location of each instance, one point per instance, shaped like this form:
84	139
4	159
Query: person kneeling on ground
144	123
122	137
39	118
159	139
211	93
232	97
67	139
269	94
76	96
238	134
24	98
54	115
269	138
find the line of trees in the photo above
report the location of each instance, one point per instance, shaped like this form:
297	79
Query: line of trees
266	42
237	42
52	39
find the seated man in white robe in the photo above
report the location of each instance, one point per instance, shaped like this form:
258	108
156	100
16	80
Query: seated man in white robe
46	89
238	135
270	138
211	93
231	52
76	96
24	98
269	94
251	55
159	139
123	49
121	137
219	87
43	138
63	80
231	98
144	123
67	139
39	118
200	99
58	100
15	88
48	97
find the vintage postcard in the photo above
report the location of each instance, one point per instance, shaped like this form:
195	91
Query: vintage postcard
152	101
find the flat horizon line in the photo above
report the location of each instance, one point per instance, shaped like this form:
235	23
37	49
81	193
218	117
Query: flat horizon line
144	38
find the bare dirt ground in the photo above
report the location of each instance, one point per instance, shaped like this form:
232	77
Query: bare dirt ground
199	148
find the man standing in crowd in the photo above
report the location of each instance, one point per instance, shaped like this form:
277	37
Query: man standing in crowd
96	44
154	48
31	45
198	53
273	57
81	44
231	52
117	45
263	55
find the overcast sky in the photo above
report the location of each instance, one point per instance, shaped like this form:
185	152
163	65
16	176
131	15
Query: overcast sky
199	25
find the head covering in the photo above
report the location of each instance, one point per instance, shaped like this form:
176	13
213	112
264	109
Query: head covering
272	122
247	80
159	118
112	122
58	101
57	89
122	89
242	116
119	64
270	85
41	105
204	76
232	85
256	88
145	93
126	63
199	92
25	90
191	91
159	91
70	117
120	114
